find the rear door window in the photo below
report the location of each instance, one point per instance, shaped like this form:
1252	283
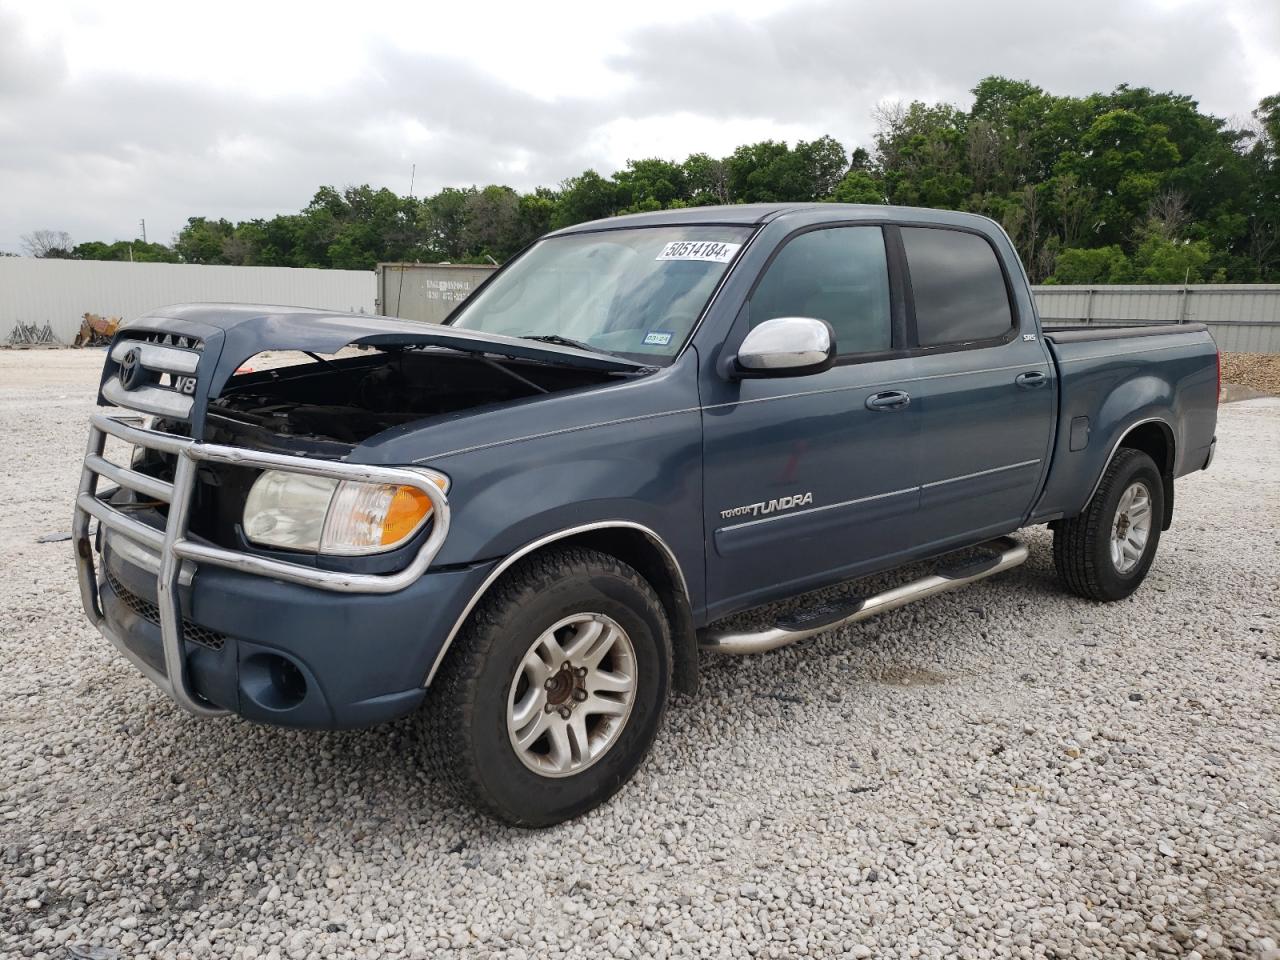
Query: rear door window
957	285
836	274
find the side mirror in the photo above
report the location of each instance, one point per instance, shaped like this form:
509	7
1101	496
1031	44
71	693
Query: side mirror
786	347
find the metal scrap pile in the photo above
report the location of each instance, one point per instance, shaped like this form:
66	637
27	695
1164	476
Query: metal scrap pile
96	331
29	335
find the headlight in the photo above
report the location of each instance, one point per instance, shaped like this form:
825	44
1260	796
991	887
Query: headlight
301	512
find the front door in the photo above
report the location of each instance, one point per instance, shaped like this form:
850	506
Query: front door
805	483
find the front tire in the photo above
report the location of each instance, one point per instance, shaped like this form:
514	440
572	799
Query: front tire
555	689
1104	554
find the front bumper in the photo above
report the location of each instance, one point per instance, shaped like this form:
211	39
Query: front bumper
295	645
281	653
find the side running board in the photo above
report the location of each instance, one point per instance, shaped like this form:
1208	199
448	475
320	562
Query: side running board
1002	554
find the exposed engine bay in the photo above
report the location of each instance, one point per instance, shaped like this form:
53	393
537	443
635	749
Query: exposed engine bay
324	406
349	399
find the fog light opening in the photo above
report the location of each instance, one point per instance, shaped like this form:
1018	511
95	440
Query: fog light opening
288	680
272	681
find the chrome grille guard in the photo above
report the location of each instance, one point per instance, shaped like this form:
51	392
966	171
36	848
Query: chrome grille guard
173	546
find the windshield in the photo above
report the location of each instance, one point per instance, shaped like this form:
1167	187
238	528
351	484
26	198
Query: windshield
631	292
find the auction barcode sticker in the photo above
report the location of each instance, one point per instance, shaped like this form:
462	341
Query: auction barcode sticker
711	251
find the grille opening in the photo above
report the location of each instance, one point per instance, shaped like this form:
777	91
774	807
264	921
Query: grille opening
166	339
151	613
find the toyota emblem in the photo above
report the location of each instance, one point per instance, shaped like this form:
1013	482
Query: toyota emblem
131	369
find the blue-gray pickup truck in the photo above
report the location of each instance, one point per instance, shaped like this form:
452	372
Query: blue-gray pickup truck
533	520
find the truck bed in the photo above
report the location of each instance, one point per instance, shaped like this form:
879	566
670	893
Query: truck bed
1113	379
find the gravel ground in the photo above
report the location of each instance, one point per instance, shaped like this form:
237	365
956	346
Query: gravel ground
1003	771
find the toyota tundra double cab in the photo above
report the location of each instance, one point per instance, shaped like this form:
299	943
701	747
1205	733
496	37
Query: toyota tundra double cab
532	520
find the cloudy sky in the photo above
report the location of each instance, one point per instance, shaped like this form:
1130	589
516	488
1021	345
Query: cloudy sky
111	112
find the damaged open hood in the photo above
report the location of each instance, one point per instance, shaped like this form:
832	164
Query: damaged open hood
227	334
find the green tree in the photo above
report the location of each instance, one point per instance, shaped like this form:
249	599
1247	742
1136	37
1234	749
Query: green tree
1072	206
1000	128
443	219
585	197
368	227
825	162
1107	264
246	244
924	155
1124	158
772	172
652	184
1024	217
134	251
708	179
858	186
1261	211
769	172
281	242
535	215
202	241
492	227
1162	260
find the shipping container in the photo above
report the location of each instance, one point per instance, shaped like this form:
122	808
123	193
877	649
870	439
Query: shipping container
426	292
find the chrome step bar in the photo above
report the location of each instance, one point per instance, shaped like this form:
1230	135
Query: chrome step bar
1004	554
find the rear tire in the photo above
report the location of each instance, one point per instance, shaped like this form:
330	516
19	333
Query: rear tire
1104	553
555	689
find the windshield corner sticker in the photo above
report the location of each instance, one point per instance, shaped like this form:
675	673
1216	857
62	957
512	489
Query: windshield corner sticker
709	251
657	338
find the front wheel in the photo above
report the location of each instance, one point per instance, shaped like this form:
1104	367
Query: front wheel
1105	553
555	690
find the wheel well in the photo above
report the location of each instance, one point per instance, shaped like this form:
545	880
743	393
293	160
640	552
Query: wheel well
1155	439
652	561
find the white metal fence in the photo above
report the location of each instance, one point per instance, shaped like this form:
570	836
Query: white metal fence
1244	318
59	292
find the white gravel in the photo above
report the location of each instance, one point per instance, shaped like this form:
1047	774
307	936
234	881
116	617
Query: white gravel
1004	771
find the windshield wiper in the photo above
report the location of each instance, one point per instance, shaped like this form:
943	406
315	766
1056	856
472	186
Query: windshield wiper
564	342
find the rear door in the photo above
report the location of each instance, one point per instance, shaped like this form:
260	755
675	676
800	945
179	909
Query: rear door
984	388
804	483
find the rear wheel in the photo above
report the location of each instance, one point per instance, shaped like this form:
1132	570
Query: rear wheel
555	690
1105	553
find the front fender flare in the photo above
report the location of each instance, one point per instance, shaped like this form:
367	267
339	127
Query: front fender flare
546	540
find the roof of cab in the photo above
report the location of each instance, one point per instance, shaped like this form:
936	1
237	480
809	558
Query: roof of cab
750	214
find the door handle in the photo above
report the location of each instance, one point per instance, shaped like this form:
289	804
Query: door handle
1031	379
889	400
